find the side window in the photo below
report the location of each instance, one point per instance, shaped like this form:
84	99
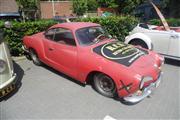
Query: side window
50	34
64	36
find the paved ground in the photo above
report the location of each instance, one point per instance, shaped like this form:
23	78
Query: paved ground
47	94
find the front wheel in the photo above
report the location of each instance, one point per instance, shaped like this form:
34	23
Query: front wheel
104	85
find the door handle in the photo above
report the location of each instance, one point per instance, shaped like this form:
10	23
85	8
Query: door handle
51	49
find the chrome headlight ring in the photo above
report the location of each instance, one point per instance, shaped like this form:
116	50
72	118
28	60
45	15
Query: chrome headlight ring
145	79
2	66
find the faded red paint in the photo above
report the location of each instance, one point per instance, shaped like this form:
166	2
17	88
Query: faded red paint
78	61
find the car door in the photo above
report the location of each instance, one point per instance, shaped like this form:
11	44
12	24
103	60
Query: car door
48	42
160	40
61	51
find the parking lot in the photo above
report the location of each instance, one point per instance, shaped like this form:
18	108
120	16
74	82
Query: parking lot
47	94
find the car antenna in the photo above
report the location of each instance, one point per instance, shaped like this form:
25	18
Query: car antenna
163	20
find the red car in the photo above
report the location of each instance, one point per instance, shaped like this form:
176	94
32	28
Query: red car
87	53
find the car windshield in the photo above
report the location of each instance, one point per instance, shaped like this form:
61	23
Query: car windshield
144	25
91	35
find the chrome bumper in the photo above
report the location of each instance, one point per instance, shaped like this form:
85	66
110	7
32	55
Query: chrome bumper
134	98
11	80
25	49
8	86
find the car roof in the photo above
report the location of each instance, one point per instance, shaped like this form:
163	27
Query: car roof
75	25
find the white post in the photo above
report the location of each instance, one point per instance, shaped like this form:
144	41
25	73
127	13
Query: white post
53	8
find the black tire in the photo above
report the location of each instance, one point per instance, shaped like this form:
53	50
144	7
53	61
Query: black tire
34	57
27	55
140	43
104	85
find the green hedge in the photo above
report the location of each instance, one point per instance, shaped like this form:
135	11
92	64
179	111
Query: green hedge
118	26
171	21
14	35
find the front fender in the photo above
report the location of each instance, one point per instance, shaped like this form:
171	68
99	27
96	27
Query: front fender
119	73
139	36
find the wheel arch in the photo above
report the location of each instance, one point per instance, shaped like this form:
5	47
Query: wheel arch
89	80
92	73
140	36
37	45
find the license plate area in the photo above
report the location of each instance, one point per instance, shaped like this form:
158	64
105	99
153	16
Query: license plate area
7	90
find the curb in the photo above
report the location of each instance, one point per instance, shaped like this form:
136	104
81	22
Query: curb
16	59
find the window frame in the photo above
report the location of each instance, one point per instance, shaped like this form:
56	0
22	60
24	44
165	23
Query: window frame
45	34
74	38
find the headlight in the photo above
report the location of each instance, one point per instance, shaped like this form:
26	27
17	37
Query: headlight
145	79
2	66
161	59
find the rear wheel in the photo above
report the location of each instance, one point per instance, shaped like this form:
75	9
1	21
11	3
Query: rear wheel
34	57
104	85
140	43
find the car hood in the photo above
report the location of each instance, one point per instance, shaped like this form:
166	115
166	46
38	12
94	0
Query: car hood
120	52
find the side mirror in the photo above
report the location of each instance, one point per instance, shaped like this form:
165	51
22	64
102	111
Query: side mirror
8	24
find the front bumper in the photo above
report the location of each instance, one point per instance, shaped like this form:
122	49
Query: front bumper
136	97
8	86
25	49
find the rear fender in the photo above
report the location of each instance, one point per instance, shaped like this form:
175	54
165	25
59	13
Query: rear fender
36	44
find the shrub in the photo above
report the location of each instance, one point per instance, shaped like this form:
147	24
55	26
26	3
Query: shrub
14	35
171	21
118	26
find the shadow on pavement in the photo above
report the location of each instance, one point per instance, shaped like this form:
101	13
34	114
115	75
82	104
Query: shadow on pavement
83	85
63	75
19	72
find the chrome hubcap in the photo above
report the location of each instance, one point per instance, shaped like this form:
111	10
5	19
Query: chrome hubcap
106	84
